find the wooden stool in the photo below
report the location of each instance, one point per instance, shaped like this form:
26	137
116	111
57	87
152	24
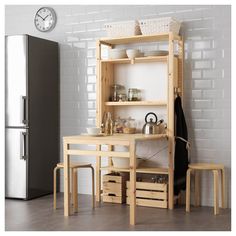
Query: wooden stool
73	169
215	168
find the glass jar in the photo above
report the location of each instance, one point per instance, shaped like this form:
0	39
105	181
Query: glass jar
134	94
118	93
130	126
118	125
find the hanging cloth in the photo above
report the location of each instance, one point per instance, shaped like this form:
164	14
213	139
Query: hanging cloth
181	148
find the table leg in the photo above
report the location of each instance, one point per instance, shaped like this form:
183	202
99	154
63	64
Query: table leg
98	175
188	186
66	181
75	189
132	183
216	191
93	199
223	198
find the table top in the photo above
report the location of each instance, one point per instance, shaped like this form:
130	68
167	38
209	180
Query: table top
112	138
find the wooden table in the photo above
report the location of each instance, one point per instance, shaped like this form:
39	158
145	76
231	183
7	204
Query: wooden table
128	140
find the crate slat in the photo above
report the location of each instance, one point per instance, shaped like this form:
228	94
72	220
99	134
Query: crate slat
148	194
149	203
115	188
149	186
112	179
113	199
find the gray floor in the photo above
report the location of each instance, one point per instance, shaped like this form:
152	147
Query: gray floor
38	214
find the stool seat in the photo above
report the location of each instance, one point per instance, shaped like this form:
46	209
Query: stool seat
206	166
74	165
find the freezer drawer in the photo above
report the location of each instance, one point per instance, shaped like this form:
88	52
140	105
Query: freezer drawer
16	163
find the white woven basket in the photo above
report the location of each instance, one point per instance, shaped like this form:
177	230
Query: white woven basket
123	28
159	25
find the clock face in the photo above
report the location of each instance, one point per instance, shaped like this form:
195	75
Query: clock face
45	19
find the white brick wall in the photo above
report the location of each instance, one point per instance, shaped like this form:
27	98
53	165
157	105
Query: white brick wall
206	30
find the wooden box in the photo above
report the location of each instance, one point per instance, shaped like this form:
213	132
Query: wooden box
149	194
114	188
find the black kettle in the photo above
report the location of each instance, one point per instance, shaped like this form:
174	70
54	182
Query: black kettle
151	127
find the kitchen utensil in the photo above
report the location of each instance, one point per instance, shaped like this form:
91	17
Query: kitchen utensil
151	127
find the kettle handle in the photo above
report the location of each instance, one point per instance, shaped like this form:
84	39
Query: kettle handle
151	113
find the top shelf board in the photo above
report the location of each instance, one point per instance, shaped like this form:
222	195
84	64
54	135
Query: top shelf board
139	39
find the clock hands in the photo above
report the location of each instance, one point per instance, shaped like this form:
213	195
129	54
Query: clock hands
40	16
45	17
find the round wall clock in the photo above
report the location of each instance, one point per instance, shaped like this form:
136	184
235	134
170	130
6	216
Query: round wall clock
45	19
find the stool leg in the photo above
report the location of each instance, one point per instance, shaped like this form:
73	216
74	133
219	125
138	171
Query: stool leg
71	186
188	190
75	190
197	188
55	188
216	191
93	193
223	199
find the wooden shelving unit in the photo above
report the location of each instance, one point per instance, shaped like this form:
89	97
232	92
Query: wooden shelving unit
105	78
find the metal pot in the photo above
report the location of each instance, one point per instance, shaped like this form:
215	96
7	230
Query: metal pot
152	127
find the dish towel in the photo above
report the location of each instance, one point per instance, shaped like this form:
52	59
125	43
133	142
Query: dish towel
181	148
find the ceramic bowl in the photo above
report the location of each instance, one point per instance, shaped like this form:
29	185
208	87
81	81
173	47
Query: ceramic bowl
132	53
117	53
93	130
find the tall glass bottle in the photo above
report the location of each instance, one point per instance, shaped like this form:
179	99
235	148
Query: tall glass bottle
108	124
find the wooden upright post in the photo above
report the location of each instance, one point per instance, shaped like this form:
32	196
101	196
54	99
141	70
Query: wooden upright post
170	125
98	175
132	183
66	180
98	85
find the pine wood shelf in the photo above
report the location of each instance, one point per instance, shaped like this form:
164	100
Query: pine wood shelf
137	103
136	60
139	39
148	170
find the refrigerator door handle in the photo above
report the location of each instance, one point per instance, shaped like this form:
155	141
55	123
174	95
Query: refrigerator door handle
24	110
23	146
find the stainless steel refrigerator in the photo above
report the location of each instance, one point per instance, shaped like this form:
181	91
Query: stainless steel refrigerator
32	115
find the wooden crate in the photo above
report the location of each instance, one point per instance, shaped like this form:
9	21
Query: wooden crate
149	194
114	188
